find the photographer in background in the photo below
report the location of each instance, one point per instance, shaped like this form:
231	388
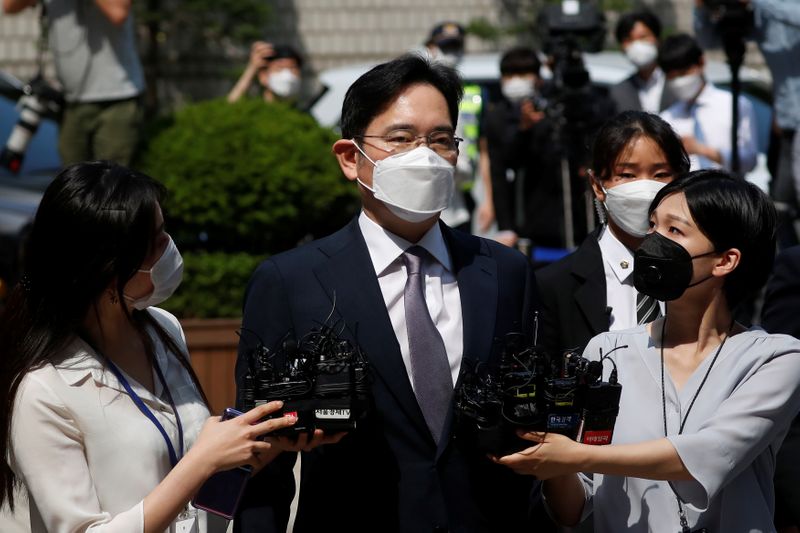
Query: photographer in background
517	139
639	33
776	29
277	68
94	51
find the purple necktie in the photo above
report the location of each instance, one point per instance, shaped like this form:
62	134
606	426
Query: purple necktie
430	368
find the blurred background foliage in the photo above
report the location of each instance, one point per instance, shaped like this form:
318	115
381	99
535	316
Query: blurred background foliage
245	181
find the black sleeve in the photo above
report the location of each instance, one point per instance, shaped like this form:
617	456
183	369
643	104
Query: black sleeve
532	305
780	315
548	337
267	318
782	297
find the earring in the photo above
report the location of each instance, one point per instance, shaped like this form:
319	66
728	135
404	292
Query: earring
113	297
601	211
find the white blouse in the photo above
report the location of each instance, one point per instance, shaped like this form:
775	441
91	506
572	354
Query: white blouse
732	434
85	452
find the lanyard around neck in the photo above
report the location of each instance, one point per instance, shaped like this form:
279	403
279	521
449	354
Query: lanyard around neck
681	513
173	457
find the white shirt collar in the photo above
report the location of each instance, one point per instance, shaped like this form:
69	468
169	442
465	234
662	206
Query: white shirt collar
385	247
707	94
84	361
655	78
616	255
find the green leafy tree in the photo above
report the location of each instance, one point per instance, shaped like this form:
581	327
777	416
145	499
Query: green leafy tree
175	31
245	180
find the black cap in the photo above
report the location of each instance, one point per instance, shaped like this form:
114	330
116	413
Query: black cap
283	51
447	33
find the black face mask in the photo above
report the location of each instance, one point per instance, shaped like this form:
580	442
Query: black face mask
662	268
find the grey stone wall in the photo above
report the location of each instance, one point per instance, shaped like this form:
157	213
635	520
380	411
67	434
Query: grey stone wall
18	36
336	32
328	32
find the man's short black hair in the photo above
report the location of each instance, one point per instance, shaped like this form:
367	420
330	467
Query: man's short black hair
679	52
628	21
374	91
284	51
521	60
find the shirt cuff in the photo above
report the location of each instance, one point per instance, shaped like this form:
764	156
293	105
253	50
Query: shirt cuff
707	461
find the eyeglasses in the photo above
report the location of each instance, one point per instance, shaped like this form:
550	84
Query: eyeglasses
442	142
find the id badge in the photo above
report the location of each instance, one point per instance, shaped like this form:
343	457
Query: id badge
185	523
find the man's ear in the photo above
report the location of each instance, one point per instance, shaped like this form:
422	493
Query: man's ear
347	156
728	262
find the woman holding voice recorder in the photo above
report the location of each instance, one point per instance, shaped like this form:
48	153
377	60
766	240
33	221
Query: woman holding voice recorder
705	401
104	422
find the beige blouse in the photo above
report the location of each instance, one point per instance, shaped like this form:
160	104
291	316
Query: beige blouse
85	452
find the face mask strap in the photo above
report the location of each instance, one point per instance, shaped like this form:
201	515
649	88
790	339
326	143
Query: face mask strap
363	152
370	189
707	277
703	255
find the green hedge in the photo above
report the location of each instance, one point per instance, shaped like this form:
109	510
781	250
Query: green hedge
249	176
245	181
213	284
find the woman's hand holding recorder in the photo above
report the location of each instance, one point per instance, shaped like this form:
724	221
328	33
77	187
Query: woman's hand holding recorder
226	444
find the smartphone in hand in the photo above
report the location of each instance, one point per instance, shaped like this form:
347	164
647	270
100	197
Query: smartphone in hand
221	493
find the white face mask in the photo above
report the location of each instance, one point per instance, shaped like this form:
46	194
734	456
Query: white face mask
414	185
284	83
686	87
517	89
628	205
165	274
642	53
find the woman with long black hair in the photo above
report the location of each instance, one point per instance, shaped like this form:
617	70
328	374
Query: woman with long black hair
103	419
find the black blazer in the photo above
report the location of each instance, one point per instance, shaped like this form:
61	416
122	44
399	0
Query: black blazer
626	95
388	475
780	315
572	292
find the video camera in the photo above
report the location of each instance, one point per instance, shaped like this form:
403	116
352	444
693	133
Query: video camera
322	379
734	20
39	99
568	30
531	391
730	10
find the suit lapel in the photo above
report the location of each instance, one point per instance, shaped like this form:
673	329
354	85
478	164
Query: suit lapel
349	276
591	295
476	274
632	89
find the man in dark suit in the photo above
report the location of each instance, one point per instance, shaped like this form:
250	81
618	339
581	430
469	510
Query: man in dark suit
419	298
638	33
780	315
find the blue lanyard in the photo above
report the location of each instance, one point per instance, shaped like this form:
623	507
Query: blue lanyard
173	457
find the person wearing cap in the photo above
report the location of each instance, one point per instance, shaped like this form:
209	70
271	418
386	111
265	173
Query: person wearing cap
446	43
277	68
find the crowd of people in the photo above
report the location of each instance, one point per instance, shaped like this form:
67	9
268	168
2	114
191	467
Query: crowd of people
106	427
